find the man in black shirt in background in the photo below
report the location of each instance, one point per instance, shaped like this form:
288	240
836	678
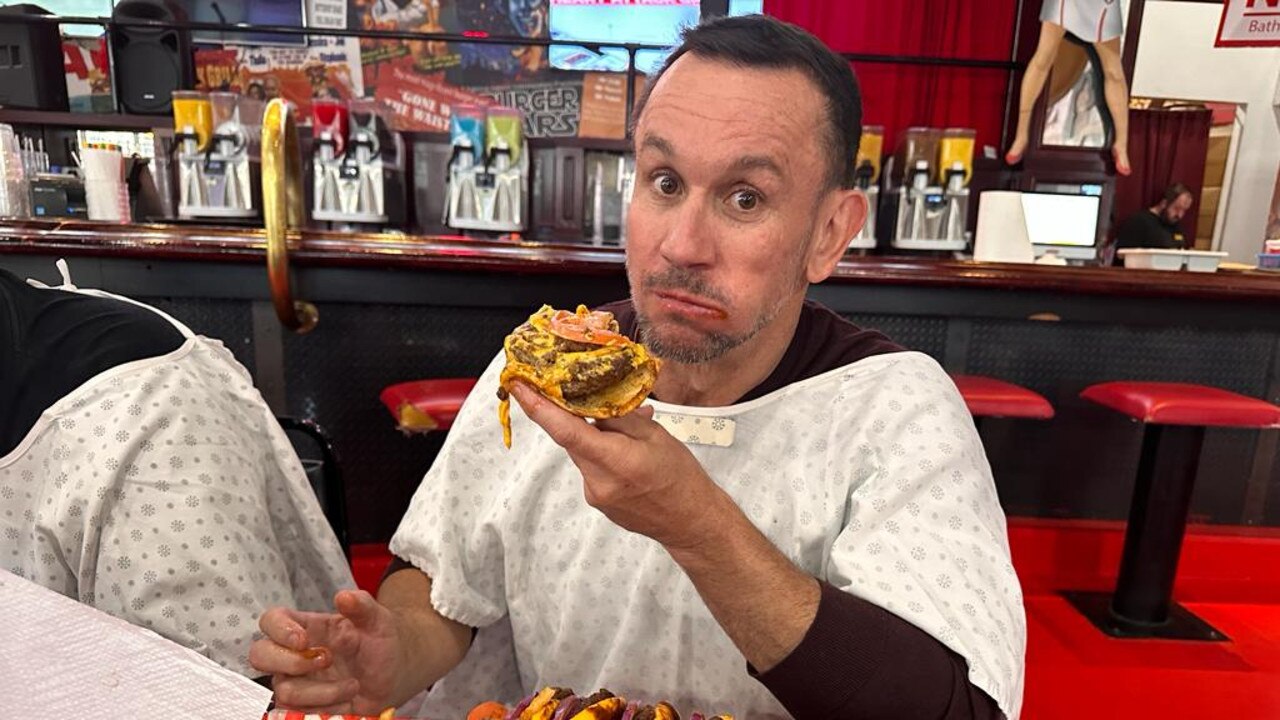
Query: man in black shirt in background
1158	225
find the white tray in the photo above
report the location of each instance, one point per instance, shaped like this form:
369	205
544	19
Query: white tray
1168	259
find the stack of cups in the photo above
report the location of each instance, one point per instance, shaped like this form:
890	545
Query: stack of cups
15	194
105	191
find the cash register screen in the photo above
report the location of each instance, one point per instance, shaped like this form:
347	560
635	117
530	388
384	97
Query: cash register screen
1065	223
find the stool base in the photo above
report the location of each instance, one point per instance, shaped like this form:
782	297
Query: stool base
1182	624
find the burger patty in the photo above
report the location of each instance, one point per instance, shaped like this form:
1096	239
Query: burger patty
595	374
567	346
589	373
528	338
524	340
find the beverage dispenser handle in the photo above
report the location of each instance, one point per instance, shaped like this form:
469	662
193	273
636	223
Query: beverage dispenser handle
862	175
956	177
282	210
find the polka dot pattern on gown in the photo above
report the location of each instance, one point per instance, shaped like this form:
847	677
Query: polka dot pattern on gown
164	492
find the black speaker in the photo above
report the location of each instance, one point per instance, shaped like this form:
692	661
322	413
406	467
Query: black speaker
714	8
31	74
149	62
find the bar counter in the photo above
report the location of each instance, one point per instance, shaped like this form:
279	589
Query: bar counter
319	248
395	308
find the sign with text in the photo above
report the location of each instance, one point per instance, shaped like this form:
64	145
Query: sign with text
421	103
550	109
1249	23
327	14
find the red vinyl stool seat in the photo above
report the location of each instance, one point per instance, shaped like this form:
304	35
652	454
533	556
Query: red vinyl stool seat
1174	417
988	397
426	405
1184	404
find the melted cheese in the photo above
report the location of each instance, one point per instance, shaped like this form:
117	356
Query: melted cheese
504	417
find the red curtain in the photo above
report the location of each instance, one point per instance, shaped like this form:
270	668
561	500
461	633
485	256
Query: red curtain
1165	146
900	96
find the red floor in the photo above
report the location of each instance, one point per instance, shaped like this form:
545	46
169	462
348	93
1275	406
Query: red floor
1229	576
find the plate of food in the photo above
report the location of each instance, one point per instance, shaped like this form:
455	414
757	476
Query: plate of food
549	703
557	703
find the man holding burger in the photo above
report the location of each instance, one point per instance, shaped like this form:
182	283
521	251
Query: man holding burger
801	522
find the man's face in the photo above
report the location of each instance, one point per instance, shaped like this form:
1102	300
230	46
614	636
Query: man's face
731	178
1173	212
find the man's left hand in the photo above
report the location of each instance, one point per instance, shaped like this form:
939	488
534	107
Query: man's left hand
635	472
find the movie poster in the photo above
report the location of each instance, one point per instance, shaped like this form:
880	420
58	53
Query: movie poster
550	109
464	64
418	102
419	81
594	106
88	71
328	67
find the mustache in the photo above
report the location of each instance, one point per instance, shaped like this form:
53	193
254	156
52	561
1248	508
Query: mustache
684	280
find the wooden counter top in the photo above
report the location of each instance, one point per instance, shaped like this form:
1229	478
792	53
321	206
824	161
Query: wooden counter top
223	244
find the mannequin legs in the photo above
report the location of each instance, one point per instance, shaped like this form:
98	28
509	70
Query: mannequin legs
1117	93
1115	86
1032	84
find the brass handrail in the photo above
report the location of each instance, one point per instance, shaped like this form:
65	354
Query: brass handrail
282	210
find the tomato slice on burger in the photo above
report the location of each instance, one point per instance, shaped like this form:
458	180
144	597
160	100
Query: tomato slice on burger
586	327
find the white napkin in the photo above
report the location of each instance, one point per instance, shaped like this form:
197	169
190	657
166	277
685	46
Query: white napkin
62	659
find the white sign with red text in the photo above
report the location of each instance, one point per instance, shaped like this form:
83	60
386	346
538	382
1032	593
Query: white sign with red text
1249	23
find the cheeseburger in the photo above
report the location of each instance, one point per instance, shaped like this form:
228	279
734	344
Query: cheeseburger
579	361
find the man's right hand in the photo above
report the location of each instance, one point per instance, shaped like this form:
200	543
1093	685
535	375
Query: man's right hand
337	663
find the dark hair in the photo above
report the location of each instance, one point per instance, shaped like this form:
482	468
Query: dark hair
757	41
1173	192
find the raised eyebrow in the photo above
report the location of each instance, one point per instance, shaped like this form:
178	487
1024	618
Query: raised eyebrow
657	143
743	164
757	162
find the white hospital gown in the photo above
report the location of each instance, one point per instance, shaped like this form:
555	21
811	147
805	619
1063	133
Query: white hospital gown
164	492
870	476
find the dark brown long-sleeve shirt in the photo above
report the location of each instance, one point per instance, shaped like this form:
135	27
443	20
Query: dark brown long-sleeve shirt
859	660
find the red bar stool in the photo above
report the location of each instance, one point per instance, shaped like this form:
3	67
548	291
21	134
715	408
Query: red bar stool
422	406
1175	416
988	397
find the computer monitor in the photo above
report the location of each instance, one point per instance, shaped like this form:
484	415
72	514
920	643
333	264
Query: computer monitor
602	22
1067	224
